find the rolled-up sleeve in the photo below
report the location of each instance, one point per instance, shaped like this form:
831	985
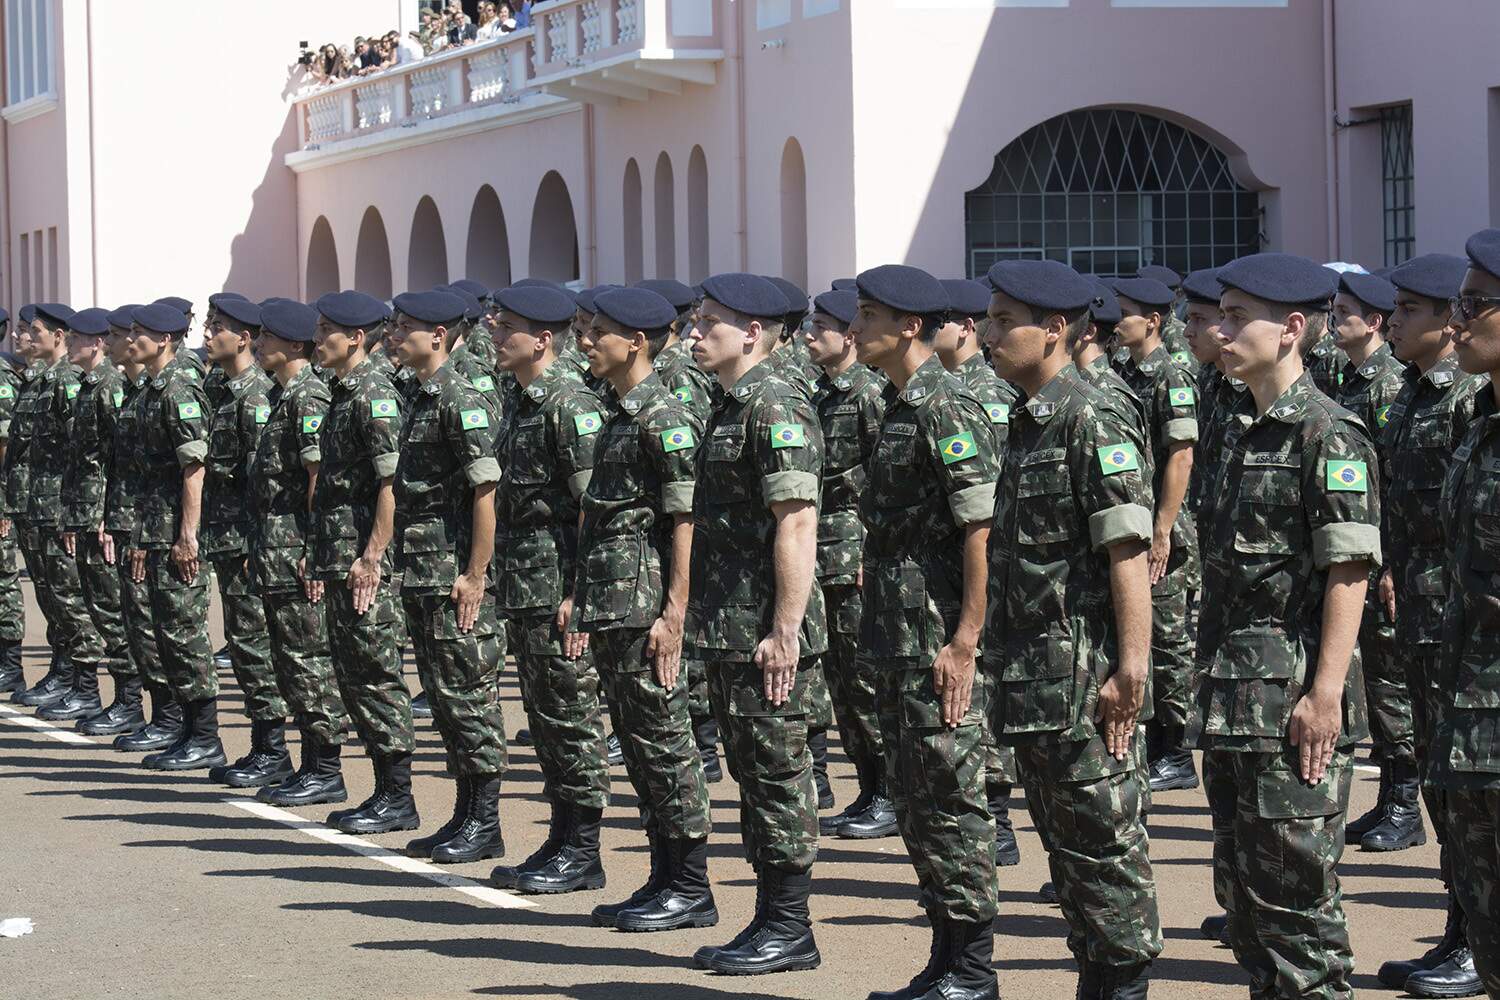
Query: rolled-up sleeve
1180	429
579	481
790	484
1344	543
1126	523
677	498
484	470
192	453
972	504
385	464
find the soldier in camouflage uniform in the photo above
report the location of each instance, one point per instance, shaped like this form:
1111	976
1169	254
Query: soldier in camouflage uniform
1278	698
926	511
1423	427
353	524
630	599
754	616
1173	329
547	457
1322	358
1213	390
12	604
1167	388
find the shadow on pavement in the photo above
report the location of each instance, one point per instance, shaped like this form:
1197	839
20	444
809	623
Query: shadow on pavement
542	952
615	991
456	914
248	846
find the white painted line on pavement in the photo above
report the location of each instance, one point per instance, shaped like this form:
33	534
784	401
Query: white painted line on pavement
46	729
389	858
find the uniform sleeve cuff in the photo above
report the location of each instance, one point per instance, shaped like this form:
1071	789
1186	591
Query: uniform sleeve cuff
311	456
1181	429
677	498
385	465
579	481
485	470
192	453
1125	523
1346	541
793	484
973	504
4	428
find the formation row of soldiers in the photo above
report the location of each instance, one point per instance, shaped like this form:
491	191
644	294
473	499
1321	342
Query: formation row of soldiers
980	568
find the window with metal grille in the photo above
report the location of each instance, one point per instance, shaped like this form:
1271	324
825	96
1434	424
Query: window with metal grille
28	50
1397	184
1107	192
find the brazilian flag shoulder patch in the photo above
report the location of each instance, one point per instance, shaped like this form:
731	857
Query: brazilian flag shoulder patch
1120	457
6	392
999	412
384	409
483	383
262	414
474	420
683	394
1383	416
311	424
1180	397
588	423
676	439
119	398
1182	357
1346	476
73	391
788	436
957	448
189	411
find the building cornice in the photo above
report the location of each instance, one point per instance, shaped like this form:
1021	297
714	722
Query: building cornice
30	108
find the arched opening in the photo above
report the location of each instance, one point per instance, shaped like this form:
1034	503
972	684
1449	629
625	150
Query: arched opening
487	259
322	261
427	259
697	193
372	257
634	251
1107	191
554	234
793	214
666	218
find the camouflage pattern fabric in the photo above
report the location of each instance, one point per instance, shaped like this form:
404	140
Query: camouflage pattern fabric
122	521
1326	364
298	633
99	584
460	672
72	632
1174	338
179	612
12	606
692	386
1476	867
17	466
249	643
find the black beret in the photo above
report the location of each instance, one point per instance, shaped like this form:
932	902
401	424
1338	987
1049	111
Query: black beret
242	311
54	312
217	297
540	303
1105	308
844	285
635	308
4	317
440	308
351	310
474	288
161	318
1044	284
26	313
533	283
1383	272
681	296
1373	291
176	302
89	322
123	316
747	293
795	297
905	288
1146	291
473	306
842	304
1203	286
585	299
1483	249
1434	275
1156	272
289	320
1280	277
966	298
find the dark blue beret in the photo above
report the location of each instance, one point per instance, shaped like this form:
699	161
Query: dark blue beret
4	316
1043	284
176	302
681	296
795	297
747	293
89	322
1146	291
1203	285
26	313
54	312
1434	275
351	310
1105	308
843	303
904	288
635	308
1157	272
439	308
161	318
1483	249
289	320
473	304
1383	272
242	311
15	361
585	299
217	297
1280	277
966	298
274	299
533	283
474	288
1373	291
844	285
123	316
540	303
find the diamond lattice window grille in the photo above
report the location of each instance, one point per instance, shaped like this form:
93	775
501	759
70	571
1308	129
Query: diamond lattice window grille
1397	184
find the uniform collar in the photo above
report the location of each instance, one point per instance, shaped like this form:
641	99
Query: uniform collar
1153	361
548	380
445	374
1444	373
1290	404
1098	366
1375	361
1323	347
1043	405
923	381
748	381
243	379
305	373
348	383
643	392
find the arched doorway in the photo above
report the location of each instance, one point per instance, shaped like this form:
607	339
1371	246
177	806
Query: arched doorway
1108	191
793	213
487	259
697	192
372	257
554	234
322	261
427	258
666	218
631	217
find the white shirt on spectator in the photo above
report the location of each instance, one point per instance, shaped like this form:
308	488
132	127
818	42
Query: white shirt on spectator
408	50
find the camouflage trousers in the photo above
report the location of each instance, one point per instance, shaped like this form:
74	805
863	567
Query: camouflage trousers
695	672
12	606
765	747
1171	660
819	700
29	540
656	736
1386	693
367	663
564	710
1474	816
1277	844
935	776
1423	676
73	629
303	662
179	612
99	581
1090	821
851	681
140	623
460	671
249	645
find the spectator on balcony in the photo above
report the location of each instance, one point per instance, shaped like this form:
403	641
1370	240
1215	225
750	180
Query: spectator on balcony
489	23
410	49
506	18
348	64
461	31
325	64
523	14
368	57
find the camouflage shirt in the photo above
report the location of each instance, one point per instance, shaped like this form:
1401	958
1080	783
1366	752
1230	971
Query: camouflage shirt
791	362
645	469
52	442
996	395
9	380
480	374
761	447
242	411
684	379
124	485
18	449
447	450
359	445
1225	395
1174	338
850	407
1424	425
932	474
173	433
288	444
1168	391
1100	374
96	411
1326	364
1299	493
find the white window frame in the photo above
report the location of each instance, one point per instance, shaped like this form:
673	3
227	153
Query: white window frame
31	59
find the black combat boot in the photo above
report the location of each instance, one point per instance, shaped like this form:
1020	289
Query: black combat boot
614	754
1355	829
937	963
864	773
523	738
80	701
1007	851
1090	980
685	901
967	975
706	735
704	955
576	864
12	677
1216	928
1401	826
817	745
1173	770
122	716
656	880
421	708
52	687
1393	975
479	835
1456	977
1125	982
879	818
164	729
318	781
201	747
393	808
505	876
222	659
1048	893
422	847
784	940
269	762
